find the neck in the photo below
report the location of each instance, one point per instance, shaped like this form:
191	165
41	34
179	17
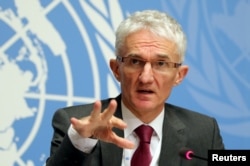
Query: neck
146	116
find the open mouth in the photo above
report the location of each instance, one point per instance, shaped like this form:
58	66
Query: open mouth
145	91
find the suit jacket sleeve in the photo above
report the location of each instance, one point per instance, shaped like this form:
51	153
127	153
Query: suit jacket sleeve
62	151
217	139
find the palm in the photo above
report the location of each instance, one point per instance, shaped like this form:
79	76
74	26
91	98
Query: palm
99	125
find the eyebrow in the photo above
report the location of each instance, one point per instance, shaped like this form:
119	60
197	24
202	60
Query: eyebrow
162	56
133	55
165	56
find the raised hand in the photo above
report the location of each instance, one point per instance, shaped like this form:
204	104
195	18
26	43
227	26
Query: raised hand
99	125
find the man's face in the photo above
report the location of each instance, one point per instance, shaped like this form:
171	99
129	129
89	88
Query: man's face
145	90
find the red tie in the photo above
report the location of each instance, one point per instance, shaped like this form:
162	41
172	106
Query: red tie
142	155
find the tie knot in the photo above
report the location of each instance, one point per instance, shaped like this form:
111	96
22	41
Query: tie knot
144	132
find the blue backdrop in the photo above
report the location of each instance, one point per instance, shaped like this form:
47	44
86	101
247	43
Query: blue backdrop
55	53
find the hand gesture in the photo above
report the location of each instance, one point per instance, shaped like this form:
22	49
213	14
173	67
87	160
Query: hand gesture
99	125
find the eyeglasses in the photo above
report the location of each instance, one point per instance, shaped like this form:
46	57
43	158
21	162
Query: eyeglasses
136	63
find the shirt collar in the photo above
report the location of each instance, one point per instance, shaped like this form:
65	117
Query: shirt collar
133	122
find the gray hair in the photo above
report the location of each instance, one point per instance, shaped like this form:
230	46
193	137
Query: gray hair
158	23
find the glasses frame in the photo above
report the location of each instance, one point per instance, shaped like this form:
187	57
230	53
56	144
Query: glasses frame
172	64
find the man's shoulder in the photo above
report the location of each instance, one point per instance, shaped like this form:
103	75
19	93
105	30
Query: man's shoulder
186	114
81	109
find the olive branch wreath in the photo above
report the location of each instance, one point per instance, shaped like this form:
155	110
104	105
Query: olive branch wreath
212	86
105	30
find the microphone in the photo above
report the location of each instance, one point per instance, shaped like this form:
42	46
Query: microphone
188	154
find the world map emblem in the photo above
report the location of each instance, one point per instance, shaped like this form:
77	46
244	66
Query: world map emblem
218	56
39	68
219	59
56	53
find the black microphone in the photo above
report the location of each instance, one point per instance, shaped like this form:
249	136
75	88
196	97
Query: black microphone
188	154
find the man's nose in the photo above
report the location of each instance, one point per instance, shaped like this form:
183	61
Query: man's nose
146	75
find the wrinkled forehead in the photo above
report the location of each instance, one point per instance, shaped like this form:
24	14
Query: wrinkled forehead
145	43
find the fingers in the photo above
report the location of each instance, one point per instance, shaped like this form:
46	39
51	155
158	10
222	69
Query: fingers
109	111
112	120
99	125
80	126
122	142
117	123
107	114
76	123
96	110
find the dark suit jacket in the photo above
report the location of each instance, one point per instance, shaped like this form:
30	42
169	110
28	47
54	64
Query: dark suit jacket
181	128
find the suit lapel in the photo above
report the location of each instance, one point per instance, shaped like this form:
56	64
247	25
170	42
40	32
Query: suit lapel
112	154
173	139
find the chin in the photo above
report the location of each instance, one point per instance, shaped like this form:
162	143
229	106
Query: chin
145	105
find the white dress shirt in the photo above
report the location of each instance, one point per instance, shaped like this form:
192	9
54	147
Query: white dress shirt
87	144
156	139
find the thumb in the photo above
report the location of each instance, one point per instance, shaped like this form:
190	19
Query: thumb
75	122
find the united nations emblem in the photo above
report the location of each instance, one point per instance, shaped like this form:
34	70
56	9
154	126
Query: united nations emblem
42	68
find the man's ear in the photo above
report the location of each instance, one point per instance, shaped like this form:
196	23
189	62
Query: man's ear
114	66
182	72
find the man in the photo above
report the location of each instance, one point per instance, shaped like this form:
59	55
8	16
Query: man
150	49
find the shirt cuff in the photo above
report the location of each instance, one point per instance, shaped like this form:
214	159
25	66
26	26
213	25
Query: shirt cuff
85	145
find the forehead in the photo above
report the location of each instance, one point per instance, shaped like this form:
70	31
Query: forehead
146	44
